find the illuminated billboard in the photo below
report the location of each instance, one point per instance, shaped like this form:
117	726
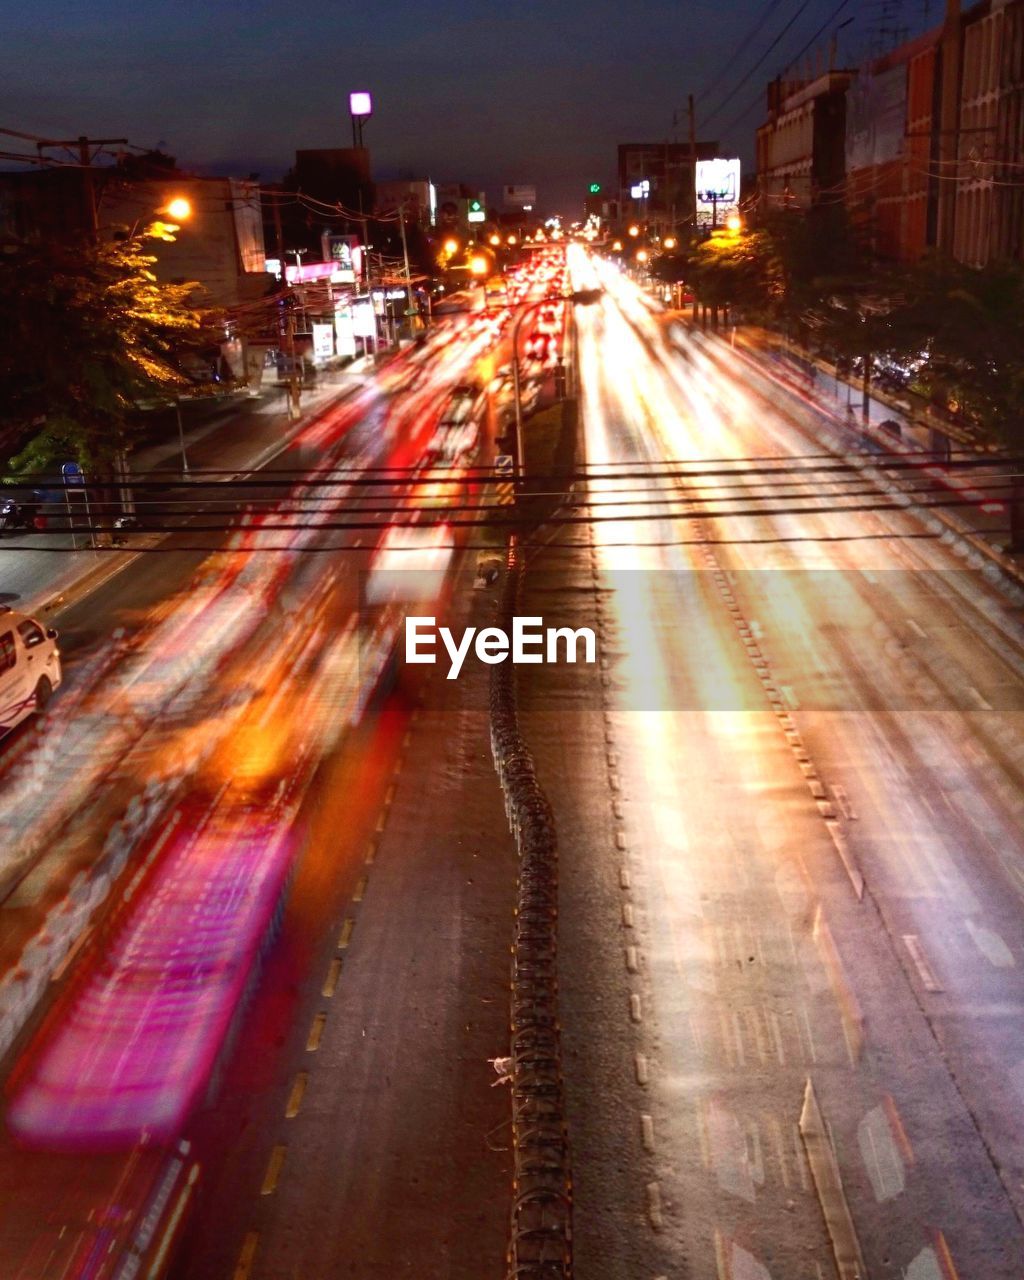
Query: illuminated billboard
718	191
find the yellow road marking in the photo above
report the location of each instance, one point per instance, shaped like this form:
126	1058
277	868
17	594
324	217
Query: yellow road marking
345	937
331	981
297	1094
273	1171
245	1258
360	889
315	1032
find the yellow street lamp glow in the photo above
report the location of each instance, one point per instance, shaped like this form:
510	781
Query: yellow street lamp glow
511	240
733	223
495	239
451	246
670	242
634	230
179	208
641	255
479	266
617	246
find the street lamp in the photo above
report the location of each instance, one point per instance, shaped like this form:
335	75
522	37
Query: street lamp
669	242
634	230
360	108
179	208
641	255
734	223
579	297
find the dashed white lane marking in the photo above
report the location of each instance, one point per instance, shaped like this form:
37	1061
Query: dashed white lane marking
647	1132
924	971
980	702
632	960
846	857
635	1010
360	889
642	1072
843	801
620	839
627	915
623	878
654	1214
345	936
917	629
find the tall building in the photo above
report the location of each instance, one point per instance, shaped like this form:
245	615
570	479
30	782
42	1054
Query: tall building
801	158
935	140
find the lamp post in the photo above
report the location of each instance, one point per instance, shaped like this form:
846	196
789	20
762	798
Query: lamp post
581	297
360	108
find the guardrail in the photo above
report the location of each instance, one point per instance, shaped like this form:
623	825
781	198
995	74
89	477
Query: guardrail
540	1242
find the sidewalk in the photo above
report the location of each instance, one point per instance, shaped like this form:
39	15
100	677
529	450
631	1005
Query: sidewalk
40	573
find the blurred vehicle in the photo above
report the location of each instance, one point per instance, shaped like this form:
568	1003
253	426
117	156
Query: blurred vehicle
29	667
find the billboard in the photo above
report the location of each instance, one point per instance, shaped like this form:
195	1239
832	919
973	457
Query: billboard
323	341
718	190
344	331
518	196
876	114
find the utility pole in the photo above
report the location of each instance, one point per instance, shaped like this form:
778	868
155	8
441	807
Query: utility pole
84	146
410	305
691	112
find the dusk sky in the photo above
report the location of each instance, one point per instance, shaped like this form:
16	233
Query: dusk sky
533	92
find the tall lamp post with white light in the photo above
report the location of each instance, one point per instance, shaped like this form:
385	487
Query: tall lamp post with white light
579	297
360	108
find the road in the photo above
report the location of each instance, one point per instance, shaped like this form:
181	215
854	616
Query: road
790	816
206	792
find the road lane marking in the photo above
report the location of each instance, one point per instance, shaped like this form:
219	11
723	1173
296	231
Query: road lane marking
843	801
345	937
627	915
245	1259
928	979
371	853
829	1187
917	629
389	795
623	878
647	1132
273	1173
789	694
331	980
654	1214
315	1032
635	1011
632	960
360	889
846	856
979	701
850	1013
620	839
642	1073
297	1094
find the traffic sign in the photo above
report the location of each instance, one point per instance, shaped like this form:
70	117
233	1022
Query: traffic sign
72	473
504	464
595	188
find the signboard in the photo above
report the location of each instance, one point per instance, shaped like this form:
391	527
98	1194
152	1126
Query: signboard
876	113
72	473
718	190
344	331
518	196
360	104
323	341
642	190
364	322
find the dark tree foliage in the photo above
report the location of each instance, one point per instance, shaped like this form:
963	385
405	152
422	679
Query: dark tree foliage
86	332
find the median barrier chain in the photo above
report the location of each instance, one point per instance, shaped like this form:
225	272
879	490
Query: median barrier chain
540	1242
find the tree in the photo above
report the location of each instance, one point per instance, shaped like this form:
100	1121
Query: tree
86	332
962	329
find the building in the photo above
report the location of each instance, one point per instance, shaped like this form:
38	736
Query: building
657	183
219	242
935	140
801	157
417	196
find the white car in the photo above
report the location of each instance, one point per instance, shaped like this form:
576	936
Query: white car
29	667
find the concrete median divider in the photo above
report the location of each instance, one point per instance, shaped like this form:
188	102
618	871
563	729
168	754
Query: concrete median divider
540	1240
